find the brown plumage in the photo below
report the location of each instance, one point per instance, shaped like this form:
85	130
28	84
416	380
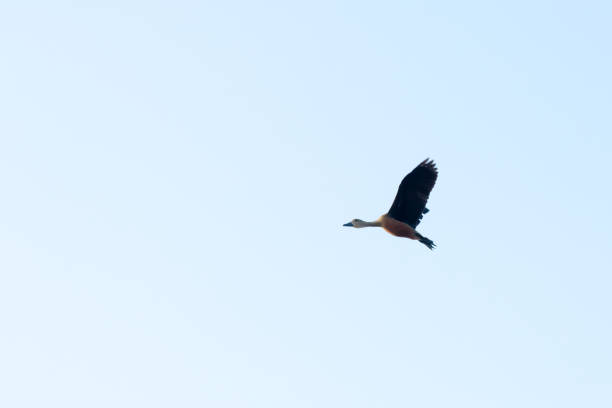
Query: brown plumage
397	228
408	207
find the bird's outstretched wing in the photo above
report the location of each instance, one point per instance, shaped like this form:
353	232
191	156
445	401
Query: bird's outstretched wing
413	193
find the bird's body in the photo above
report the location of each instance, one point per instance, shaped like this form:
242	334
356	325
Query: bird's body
397	228
409	205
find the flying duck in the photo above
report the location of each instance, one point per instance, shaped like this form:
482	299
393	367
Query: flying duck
409	205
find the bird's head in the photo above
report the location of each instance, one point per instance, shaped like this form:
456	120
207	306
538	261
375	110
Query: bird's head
356	223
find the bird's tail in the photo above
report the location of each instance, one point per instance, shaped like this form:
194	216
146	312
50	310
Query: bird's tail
427	242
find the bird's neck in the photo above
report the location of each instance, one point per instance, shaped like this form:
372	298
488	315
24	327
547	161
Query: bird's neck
361	224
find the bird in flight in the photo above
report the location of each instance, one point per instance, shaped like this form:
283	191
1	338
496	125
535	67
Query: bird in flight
409	205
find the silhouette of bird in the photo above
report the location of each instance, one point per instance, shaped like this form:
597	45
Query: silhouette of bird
408	207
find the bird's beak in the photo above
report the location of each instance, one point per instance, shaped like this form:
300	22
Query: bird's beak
348	224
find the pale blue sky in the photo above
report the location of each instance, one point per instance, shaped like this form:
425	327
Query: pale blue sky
175	176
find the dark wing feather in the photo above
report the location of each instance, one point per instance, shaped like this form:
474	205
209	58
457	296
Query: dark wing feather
413	193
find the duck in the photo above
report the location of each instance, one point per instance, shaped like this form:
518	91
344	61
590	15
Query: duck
409	205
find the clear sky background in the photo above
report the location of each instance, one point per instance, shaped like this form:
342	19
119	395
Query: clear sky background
175	176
